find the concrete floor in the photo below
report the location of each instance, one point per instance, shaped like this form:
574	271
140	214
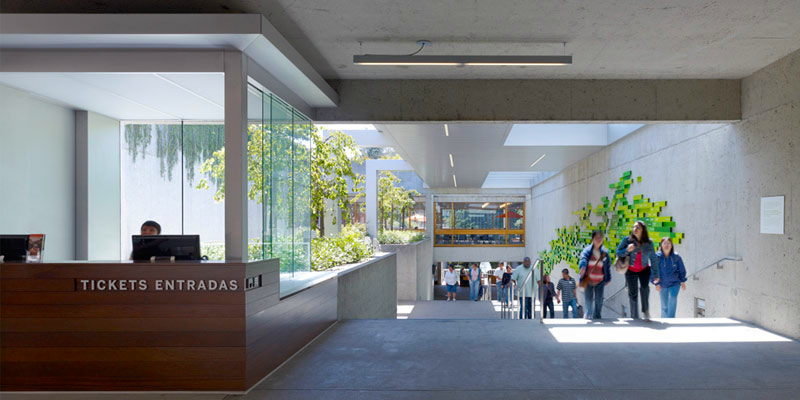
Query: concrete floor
441	309
512	359
487	359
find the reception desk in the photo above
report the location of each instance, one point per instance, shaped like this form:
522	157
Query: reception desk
125	326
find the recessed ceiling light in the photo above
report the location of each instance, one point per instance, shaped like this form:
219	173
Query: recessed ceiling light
451	161
454	181
446	131
537	160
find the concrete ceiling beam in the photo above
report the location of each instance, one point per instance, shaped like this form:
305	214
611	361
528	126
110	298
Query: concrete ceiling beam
558	100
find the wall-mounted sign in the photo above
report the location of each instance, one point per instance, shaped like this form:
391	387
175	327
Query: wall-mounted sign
772	215
158	285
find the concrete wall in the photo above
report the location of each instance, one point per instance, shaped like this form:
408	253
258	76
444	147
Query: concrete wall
414	278
97	187
425	271
491	254
37	170
369	291
712	177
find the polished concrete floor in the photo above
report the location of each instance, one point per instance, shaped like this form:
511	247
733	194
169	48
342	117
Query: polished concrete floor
442	309
512	359
560	359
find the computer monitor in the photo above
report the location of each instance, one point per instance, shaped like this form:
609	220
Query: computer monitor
182	247
13	247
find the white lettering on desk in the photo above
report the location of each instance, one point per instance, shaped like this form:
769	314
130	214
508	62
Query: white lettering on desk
127	285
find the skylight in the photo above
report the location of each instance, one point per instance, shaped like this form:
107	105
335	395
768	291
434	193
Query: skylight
568	134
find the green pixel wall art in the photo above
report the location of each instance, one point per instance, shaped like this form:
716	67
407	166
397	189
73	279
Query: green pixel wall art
617	217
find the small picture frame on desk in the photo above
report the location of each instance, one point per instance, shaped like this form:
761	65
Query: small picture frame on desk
35	252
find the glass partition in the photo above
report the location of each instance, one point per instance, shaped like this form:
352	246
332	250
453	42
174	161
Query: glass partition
479	224
164	179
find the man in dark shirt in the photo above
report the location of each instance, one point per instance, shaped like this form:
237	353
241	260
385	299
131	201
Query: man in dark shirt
567	285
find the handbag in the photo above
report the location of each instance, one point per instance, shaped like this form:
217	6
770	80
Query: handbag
621	264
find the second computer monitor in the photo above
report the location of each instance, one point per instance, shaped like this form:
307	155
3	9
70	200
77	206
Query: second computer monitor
182	247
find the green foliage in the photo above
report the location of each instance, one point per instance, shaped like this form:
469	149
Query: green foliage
347	247
617	217
399	237
331	166
194	143
392	198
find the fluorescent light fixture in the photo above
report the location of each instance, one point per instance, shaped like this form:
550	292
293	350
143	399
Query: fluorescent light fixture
446	130
537	160
458	60
451	161
454	181
485	205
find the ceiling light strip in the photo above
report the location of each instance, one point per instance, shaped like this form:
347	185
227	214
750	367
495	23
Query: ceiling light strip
457	60
485	205
446	130
537	160
451	161
454	181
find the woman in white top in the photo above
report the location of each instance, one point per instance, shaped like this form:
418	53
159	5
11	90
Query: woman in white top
451	279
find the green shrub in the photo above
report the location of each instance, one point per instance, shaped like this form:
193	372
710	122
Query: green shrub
345	248
399	237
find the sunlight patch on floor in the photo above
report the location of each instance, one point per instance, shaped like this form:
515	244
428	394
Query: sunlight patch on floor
687	330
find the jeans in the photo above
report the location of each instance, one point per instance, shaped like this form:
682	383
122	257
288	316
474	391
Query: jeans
501	292
594	301
638	283
474	286
528	309
669	300
574	304
548	304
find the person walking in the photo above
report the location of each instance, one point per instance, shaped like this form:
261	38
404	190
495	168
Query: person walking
526	293
474	282
498	275
451	280
595	273
643	263
505	283
567	286
548	291
672	273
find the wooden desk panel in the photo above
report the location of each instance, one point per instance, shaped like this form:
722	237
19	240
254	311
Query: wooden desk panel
54	336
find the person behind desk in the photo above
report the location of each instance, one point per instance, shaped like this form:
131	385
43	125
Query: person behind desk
149	228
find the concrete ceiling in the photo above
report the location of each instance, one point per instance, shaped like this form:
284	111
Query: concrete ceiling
608	38
140	96
477	149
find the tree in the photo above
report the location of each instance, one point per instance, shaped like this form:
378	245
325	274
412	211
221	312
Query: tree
329	169
392	199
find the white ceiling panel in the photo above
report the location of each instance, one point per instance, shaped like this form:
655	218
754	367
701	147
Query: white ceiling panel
129	96
477	149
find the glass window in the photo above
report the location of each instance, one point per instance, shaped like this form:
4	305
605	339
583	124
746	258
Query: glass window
150	174
301	192
203	190
479	224
472	216
258	194
168	175
444	213
282	215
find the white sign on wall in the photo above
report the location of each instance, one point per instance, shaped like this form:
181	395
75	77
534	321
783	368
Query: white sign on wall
772	215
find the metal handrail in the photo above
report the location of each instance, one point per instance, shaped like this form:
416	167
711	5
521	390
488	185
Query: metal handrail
687	276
